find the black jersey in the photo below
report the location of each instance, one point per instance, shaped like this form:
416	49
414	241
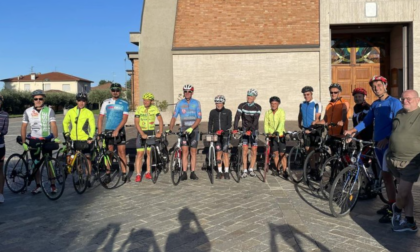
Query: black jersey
220	120
250	114
359	113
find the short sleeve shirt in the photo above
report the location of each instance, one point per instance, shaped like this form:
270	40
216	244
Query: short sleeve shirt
33	117
188	112
309	111
147	117
114	111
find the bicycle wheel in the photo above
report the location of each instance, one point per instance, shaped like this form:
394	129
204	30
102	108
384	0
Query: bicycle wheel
295	163
212	164
176	166
235	164
344	192
312	175
266	164
16	171
154	166
95	171
80	173
109	169
53	179
164	157
329	171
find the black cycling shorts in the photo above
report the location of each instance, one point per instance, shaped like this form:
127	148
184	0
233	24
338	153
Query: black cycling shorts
120	138
141	143
193	139
222	144
311	139
2	153
278	144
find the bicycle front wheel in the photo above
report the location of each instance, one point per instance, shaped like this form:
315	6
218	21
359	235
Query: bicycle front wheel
53	178
210	169
295	163
16	171
176	166
80	173
235	163
154	166
344	192
109	170
329	171
312	175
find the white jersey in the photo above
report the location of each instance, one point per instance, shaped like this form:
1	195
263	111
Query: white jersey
33	117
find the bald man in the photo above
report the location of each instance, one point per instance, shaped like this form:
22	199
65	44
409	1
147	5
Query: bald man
403	159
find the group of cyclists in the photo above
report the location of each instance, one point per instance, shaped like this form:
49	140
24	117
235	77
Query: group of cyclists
370	122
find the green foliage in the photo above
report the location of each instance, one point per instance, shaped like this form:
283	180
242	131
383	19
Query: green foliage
98	96
128	84
162	105
101	82
61	99
15	102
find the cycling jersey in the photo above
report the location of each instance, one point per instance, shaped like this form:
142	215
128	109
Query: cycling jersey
250	113
188	112
220	120
382	112
274	122
39	120
334	113
147	117
79	118
359	113
114	111
308	111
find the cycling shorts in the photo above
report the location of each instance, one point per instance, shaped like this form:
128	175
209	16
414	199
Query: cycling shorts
249	140
120	138
191	140
141	143
222	143
278	144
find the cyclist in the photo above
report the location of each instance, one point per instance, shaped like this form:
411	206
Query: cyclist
382	112
4	127
189	110
144	120
336	111
274	121
83	127
41	118
249	112
220	121
116	111
360	110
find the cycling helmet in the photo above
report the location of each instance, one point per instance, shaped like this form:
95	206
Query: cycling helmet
188	87
307	89
220	99
378	78
359	91
336	85
38	92
115	85
148	96
81	96
275	98
252	92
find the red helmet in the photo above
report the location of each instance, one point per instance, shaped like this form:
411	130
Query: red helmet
378	78
359	90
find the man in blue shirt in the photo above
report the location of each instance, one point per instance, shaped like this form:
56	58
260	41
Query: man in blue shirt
189	111
116	111
382	112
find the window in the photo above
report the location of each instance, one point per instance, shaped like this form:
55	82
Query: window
47	86
66	87
27	87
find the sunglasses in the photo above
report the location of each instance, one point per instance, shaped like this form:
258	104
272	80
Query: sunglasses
115	90
38	99
81	100
334	92
188	92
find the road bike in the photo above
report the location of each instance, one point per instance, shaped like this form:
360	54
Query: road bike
235	159
159	155
176	157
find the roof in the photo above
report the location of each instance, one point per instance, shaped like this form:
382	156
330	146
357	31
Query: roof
106	86
53	76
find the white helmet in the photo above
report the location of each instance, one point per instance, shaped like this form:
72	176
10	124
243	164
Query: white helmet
252	92
219	99
188	87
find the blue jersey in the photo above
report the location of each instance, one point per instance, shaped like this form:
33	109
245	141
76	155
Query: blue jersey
382	112
188	112
308	111
114	111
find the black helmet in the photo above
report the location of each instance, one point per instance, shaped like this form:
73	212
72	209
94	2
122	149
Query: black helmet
115	85
336	85
81	96
307	89
275	98
38	92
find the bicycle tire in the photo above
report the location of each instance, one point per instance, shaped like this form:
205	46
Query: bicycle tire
52	174
381	190
115	171
95	171
80	173
266	163
154	166
329	171
16	173
295	163
176	166
235	165
211	166
164	157
345	180
313	181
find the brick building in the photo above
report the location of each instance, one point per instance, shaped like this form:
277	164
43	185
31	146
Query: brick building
275	46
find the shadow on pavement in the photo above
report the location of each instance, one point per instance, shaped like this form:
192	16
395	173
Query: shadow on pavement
142	240
299	189
105	238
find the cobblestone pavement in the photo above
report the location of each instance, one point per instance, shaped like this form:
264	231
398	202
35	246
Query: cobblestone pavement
193	216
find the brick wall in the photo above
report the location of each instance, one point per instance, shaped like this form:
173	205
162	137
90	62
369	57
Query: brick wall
203	23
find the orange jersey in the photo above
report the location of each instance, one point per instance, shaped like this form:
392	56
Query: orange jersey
334	113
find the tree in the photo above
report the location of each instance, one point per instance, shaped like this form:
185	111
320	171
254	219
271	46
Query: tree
98	96
101	82
128	84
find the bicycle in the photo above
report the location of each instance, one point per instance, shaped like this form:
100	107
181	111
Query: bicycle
346	187
18	176
296	156
269	157
236	157
158	157
212	165
176	157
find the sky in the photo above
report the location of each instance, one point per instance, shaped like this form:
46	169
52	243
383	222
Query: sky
84	38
